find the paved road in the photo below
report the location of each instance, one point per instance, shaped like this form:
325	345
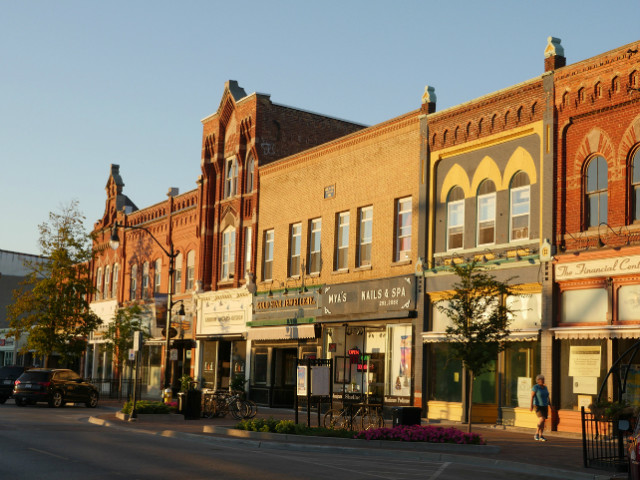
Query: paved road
38	442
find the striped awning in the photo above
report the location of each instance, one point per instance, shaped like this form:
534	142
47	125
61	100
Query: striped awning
282	332
605	331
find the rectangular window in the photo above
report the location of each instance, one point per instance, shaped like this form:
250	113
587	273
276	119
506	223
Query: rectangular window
231	177
342	241
403	229
520	213
228	253
134	282
455	224
295	247
365	236
267	266
145	279
99	284
486	218
191	268
315	231
107	281
114	284
248	248
177	275
157	271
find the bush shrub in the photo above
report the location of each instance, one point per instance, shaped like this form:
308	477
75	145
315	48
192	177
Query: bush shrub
419	433
145	406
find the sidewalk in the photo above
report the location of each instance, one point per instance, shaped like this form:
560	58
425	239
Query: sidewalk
559	457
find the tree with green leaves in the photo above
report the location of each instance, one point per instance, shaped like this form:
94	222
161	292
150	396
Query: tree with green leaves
119	335
479	320
50	308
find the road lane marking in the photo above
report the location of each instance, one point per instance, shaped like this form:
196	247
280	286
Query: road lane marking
48	453
439	471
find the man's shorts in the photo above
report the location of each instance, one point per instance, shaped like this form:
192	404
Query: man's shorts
542	412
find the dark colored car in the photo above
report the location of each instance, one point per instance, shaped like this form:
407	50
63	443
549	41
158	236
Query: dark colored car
56	386
8	375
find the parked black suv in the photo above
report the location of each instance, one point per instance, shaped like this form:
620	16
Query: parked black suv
8	375
56	386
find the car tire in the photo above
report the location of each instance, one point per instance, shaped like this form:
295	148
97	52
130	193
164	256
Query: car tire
20	402
57	400
93	400
3	400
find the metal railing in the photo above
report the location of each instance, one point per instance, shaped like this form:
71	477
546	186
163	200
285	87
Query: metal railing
604	441
110	388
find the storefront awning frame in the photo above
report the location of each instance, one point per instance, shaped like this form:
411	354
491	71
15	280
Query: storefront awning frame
514	336
596	332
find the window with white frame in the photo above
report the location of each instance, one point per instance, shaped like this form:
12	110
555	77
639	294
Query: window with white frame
315	232
520	206
107	281
191	269
365	236
596	189
134	282
157	275
177	274
248	248
228	253
486	213
145	279
99	284
342	241
295	248
231	177
267	262
455	219
403	229
114	283
249	174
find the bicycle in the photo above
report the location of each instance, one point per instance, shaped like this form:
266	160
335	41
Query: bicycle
218	404
367	416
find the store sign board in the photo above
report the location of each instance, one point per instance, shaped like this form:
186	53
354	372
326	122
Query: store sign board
389	294
584	361
598	268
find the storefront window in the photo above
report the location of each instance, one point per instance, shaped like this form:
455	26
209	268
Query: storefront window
632	393
484	386
583	366
259	366
522	364
398	382
445	374
238	357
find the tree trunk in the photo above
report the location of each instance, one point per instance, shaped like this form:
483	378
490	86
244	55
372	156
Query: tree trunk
470	401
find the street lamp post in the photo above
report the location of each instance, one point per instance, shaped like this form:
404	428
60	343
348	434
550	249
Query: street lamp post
115	243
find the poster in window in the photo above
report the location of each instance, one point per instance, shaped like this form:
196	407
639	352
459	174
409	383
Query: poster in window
584	361
302	380
342	370
400	361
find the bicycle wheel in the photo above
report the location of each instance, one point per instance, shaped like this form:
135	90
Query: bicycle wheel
253	408
372	421
208	407
336	419
236	409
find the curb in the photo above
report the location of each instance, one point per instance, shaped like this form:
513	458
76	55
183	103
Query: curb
504	465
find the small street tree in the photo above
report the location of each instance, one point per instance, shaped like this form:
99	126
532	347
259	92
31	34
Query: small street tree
50	308
119	335
479	320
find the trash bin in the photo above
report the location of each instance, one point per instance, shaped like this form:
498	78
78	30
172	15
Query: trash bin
192	405
406	416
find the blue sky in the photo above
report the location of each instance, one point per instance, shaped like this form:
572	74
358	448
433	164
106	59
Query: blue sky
84	84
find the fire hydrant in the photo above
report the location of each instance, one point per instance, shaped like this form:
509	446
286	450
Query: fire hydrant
167	395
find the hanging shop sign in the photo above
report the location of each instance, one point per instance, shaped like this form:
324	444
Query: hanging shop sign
385	295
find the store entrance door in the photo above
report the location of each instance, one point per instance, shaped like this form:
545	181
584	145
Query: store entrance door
283	377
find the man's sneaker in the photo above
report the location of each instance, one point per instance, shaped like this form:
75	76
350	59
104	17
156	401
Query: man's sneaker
542	439
536	438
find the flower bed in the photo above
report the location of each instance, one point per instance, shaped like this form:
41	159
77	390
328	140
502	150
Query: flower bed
419	433
145	406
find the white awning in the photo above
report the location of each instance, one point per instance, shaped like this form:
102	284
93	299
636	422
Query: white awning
514	336
282	332
605	331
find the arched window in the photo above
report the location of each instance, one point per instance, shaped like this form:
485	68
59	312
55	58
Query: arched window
455	218
228	254
114	284
107	281
177	274
249	175
191	269
145	279
99	284
635	185
134	282
157	275
231	178
486	213
596	191
520	206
